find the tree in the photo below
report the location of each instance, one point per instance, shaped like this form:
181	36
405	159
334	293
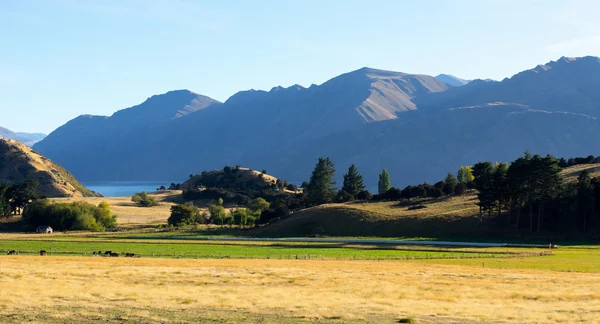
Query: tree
258	205
321	187
500	185
465	174
186	214
353	182
483	173
394	194
460	189
585	200
217	214
449	184
384	182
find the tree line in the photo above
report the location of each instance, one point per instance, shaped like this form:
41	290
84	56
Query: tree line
532	193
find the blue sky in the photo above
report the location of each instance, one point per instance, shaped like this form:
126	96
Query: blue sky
63	58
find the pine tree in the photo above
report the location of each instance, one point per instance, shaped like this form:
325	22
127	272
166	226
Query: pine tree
321	187
384	182
353	182
483	172
585	199
449	184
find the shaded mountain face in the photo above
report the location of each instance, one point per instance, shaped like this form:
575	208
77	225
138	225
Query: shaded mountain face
19	163
26	138
416	126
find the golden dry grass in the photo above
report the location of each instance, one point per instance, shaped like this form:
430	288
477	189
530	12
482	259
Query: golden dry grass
128	214
571	173
147	289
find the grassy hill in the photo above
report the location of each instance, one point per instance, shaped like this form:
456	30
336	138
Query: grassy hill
232	178
19	162
444	217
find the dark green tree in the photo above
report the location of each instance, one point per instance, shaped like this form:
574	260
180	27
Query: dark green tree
353	182
483	173
321	187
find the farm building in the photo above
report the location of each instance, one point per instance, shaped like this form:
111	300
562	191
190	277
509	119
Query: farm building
44	229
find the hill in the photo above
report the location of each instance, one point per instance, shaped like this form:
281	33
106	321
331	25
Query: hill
19	163
448	217
26	138
416	126
231	178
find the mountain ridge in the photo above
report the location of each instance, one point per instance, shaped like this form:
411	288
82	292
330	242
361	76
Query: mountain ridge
373	118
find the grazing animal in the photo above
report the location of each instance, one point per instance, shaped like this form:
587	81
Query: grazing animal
43	252
114	254
129	255
107	253
12	252
95	253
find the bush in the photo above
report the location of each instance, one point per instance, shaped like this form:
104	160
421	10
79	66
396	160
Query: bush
364	195
77	215
343	196
141	199
394	194
436	192
460	189
416	207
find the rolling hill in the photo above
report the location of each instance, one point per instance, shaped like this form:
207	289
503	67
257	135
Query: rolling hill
416	126
18	163
447	217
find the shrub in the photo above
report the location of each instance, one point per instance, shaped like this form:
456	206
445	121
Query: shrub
394	194
142	199
77	215
416	207
343	196
436	192
460	189
364	195
407	320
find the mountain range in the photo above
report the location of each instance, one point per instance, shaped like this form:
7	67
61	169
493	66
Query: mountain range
417	126
26	138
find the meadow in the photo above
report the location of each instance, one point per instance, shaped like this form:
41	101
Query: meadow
155	290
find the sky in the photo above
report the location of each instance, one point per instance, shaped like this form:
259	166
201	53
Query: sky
63	58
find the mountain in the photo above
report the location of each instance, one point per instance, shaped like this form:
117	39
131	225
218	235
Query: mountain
26	138
18	163
452	80
416	126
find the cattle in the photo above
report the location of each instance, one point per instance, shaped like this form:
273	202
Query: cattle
42	252
114	255
12	252
107	253
95	253
130	255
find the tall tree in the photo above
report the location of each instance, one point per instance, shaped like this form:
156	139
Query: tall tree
585	199
353	182
483	172
450	184
384	182
500	186
321	187
465	174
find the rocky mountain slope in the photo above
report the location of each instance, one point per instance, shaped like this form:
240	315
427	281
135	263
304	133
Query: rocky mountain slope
416	126
18	163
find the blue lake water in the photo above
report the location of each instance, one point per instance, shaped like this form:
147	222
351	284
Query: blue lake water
124	188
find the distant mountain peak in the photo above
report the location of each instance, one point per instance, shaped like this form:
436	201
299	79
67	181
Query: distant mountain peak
452	80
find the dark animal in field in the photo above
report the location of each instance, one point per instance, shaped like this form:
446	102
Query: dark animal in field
43	252
107	253
95	253
114	255
12	252
130	255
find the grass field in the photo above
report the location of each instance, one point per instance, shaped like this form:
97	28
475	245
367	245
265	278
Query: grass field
59	289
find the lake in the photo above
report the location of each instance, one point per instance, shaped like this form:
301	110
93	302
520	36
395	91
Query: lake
124	188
